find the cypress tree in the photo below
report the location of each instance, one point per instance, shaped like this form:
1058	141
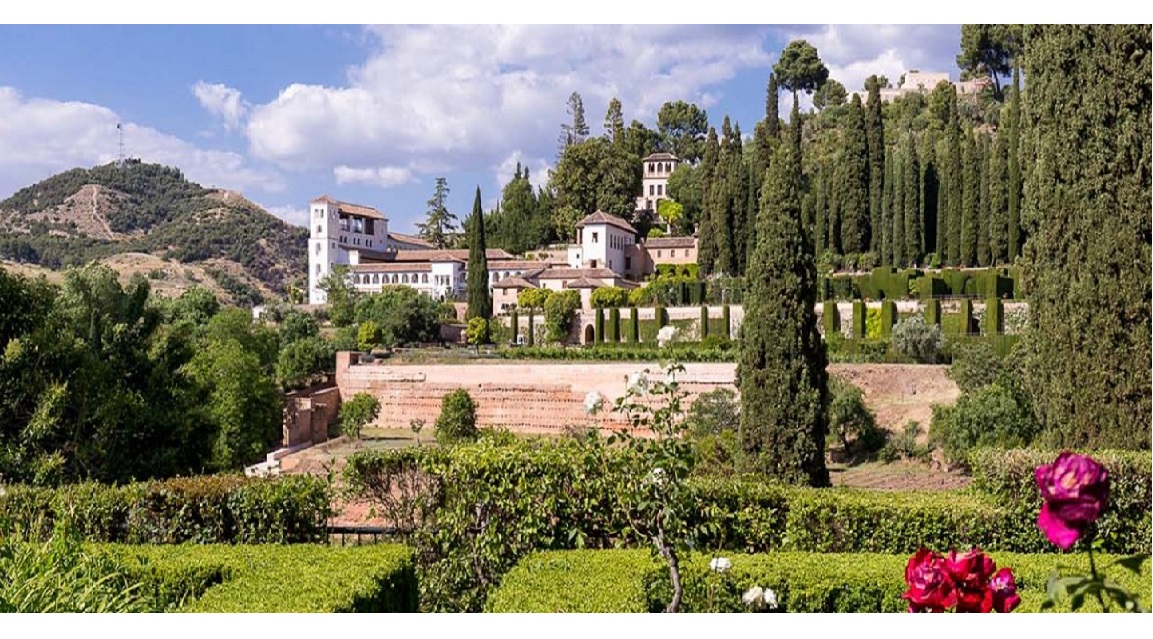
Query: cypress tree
1086	217
706	242
970	199
738	179
782	376
719	203
998	202
956	181
1014	162
929	194
820	210
853	181
897	214
752	193
984	217
913	248
886	229
773	107
479	295
875	135
942	243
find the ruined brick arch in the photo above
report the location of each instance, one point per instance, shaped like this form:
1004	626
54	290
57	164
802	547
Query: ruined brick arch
589	334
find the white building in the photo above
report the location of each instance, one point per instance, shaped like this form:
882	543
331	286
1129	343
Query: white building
655	179
924	82
336	228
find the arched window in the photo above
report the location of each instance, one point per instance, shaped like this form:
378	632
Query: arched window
394	280
424	278
404	278
376	278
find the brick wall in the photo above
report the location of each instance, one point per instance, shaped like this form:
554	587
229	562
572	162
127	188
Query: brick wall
307	415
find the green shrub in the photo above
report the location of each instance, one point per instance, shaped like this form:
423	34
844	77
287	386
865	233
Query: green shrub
873	329
358	411
851	423
975	365
922	342
904	445
860	321
368	335
991	416
831	318
632	581
558	314
457	419
633	329
59	576
714	412
965	323
994	321
614	335
1007	476
726	319
599	326
304	578
609	297
209	509
703	325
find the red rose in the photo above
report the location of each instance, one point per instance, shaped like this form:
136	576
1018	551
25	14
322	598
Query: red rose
1076	491
930	587
1004	589
970	572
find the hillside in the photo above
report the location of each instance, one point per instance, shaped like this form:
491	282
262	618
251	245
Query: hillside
81	215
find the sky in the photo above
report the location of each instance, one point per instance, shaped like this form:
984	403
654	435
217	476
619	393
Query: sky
374	114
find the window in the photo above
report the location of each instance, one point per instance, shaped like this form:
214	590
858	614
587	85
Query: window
319	214
376	278
592	264
318	248
660	189
668	167
652	167
594	237
628	263
658	252
319	229
652	190
424	278
318	269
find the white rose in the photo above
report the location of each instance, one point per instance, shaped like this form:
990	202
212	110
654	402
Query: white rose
770	599
666	335
720	564
639	383
753	596
593	403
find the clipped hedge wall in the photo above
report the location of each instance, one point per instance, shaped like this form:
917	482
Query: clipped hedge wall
1006	477
206	509
716	350
312	578
635	581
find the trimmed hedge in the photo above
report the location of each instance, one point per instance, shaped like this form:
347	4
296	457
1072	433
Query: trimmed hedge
994	321
831	318
685	352
207	509
859	313
1006	477
635	581
230	579
888	317
614	335
886	282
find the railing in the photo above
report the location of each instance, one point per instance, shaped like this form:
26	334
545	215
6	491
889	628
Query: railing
359	535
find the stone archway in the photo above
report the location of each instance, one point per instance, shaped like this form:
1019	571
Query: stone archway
589	335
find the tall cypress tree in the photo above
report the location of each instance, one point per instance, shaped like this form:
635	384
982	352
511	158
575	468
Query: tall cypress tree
970	200
706	242
1087	253
929	193
1014	161
875	135
886	229
821	211
943	186
752	195
719	204
913	248
956	181
773	107
984	210
897	213
998	202
782	369
479	295
853	181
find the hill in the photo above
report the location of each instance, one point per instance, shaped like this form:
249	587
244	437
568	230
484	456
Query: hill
107	211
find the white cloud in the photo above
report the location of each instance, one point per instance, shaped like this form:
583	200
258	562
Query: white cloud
289	213
854	52
42	137
383	176
221	101
465	95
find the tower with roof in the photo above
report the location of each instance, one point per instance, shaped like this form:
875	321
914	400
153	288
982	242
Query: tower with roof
336	228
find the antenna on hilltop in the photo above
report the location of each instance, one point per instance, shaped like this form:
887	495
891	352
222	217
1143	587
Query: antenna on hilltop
120	156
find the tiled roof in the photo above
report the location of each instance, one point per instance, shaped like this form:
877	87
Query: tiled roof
514	282
661	156
390	267
350	208
585	282
670	242
518	265
445	255
409	239
600	217
576	273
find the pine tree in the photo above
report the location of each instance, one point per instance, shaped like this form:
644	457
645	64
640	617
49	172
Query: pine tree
1087	253
440	223
614	126
479	295
853	181
706	240
1014	162
575	131
912	196
875	135
782	370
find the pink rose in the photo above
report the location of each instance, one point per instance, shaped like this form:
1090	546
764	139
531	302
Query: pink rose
1076	491
930	587
1004	589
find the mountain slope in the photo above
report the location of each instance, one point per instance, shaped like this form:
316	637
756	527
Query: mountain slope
85	214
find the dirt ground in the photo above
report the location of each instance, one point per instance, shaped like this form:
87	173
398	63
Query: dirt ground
899	393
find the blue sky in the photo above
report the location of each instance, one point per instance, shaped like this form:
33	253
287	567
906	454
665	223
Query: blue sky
374	114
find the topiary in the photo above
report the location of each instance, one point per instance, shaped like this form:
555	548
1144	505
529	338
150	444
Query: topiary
457	419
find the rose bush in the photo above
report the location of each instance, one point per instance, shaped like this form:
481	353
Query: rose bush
966	582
